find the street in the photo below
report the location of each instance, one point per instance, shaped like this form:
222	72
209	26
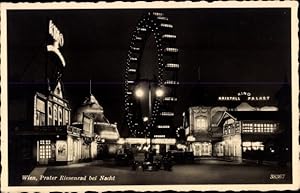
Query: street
209	171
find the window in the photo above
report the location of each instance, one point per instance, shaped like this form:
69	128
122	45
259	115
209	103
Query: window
265	127
225	131
40	119
66	117
201	123
251	145
45	149
247	127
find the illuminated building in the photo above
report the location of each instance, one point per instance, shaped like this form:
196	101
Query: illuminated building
246	133
231	133
51	139
202	131
45	134
105	134
53	113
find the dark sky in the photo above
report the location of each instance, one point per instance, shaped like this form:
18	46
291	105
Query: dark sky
236	49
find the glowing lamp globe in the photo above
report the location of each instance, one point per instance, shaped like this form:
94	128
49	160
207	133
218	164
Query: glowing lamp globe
139	93
159	92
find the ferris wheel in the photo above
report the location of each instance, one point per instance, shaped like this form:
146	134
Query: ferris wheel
161	107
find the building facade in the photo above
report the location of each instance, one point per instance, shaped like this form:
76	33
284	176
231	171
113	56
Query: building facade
202	130
234	133
104	134
250	134
51	139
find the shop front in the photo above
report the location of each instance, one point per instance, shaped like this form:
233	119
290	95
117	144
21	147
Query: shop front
58	148
162	145
232	147
202	149
218	149
86	148
73	145
46	151
232	139
52	151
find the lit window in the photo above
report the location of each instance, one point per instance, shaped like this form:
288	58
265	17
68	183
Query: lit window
45	149
201	123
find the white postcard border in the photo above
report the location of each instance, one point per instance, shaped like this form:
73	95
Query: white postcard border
160	5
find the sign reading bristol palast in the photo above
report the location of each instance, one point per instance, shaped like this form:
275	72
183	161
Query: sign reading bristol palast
58	42
248	96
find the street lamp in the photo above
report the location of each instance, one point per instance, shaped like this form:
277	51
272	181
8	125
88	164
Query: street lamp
140	94
145	119
159	92
140	91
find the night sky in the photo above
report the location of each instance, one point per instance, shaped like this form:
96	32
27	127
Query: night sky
235	50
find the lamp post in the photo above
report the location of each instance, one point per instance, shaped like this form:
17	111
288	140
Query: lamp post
140	94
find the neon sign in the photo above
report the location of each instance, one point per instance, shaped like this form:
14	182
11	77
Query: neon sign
58	42
244	93
247	95
55	33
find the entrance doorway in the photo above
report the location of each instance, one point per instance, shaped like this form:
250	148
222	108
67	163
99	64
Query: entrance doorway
44	151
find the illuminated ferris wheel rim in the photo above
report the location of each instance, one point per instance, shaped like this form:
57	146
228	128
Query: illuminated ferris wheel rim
157	24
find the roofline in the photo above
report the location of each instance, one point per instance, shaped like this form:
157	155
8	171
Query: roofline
223	117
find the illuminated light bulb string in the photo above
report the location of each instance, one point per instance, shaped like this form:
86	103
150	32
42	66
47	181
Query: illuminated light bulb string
157	24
